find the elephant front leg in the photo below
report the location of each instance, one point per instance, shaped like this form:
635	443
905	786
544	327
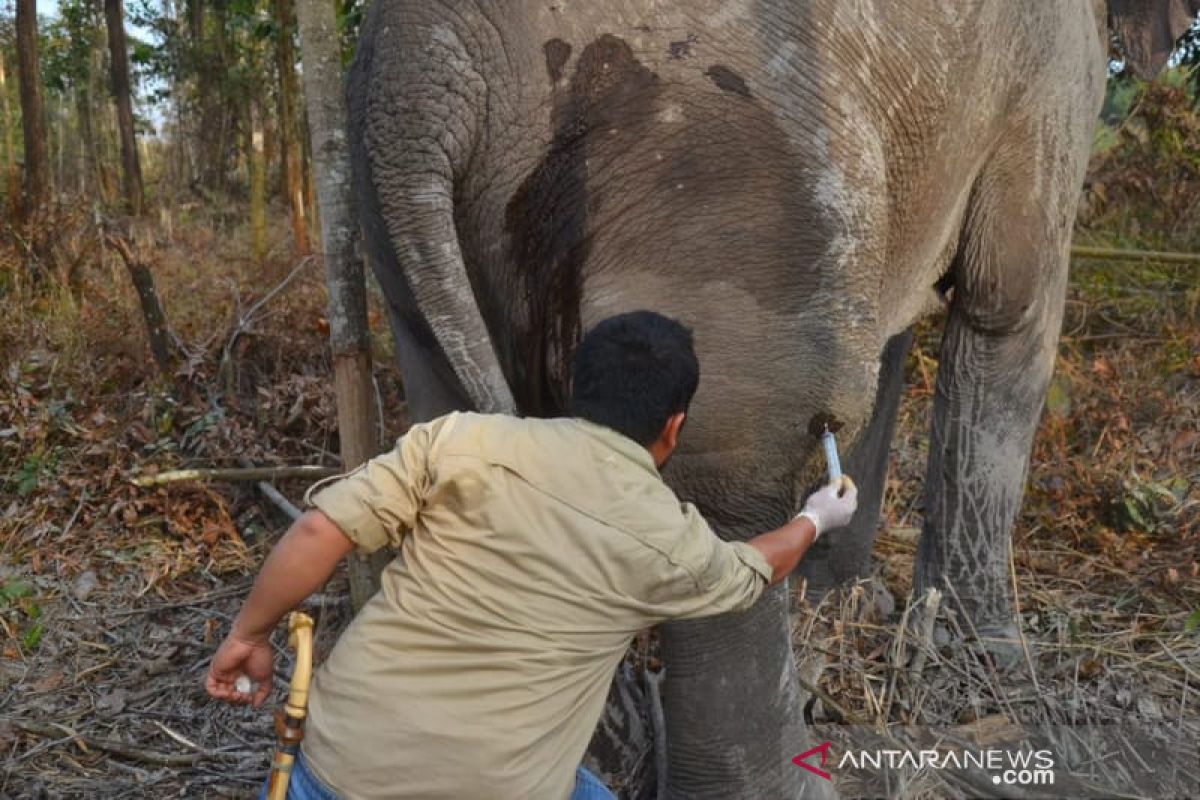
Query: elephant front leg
734	717
996	361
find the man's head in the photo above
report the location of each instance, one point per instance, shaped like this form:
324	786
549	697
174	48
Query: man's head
636	373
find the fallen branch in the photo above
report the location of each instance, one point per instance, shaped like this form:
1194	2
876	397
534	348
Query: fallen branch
246	320
829	702
930	607
1114	254
310	471
119	748
275	496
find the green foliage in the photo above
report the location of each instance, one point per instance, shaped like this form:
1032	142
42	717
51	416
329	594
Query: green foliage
66	43
39	465
1144	505
1143	187
1192	622
350	14
17	602
33	636
1119	96
14	590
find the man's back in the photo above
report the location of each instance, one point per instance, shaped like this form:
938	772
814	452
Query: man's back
530	552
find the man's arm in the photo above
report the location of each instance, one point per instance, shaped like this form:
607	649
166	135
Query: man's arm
298	565
368	508
712	576
831	507
784	547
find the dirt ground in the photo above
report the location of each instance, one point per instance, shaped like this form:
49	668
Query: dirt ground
112	597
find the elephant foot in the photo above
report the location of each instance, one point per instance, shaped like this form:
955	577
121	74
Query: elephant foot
1003	643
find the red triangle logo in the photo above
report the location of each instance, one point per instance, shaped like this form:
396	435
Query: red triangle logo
823	749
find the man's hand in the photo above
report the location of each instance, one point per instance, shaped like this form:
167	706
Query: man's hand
239	656
303	560
832	507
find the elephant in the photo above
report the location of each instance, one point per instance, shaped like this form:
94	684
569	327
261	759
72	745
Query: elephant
798	181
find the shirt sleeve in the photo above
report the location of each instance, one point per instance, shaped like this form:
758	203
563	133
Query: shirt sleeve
377	503
708	575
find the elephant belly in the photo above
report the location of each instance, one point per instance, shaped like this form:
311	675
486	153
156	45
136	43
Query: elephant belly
684	193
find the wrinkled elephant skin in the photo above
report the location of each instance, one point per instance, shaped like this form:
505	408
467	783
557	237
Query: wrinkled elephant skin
799	182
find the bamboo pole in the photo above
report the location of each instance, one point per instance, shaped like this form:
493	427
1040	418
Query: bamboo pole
309	471
1115	254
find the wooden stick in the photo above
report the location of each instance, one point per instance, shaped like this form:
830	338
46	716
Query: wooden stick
825	698
120	748
236	474
932	603
281	502
274	495
1115	254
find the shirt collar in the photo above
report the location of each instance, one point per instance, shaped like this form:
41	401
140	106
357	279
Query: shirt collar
621	443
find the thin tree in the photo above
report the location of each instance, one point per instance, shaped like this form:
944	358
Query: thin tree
80	20
293	179
12	167
114	16
321	55
10	147
256	161
36	189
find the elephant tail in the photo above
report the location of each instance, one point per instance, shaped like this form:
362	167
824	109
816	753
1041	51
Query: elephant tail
406	135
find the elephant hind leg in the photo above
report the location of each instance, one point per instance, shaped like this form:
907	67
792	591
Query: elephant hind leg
997	356
845	554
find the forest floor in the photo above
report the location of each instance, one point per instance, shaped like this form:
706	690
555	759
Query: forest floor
112	598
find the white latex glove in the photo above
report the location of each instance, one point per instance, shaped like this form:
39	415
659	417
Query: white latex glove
831	507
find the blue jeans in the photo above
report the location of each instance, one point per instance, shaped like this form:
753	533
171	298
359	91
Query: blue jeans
589	787
306	786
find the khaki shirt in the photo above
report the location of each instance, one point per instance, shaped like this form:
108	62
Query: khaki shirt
531	551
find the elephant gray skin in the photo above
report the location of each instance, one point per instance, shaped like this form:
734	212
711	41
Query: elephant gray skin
799	182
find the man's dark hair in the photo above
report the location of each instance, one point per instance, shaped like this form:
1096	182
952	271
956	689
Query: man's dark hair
632	372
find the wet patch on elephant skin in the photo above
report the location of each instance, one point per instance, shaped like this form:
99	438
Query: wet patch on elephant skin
557	52
547	217
728	80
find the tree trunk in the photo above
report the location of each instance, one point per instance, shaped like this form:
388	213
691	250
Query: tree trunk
288	139
114	16
195	16
258	184
33	120
343	265
223	111
61	133
9	143
87	137
12	181
101	163
152	312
